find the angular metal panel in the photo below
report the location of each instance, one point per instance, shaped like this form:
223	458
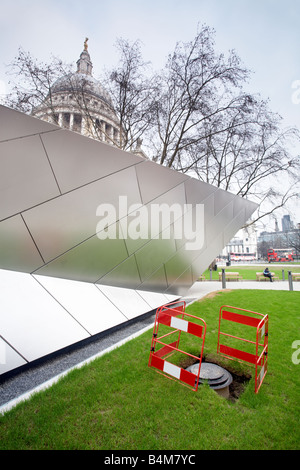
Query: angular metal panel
209	207
152	218
14	124
174	202
152	255
64	222
197	191
217	224
126	274
241	214
239	204
222	199
189	231
171	297
175	195
31	320
250	207
178	264
26	178
54	234
63	229
154	180
233	226
17	249
78	160
153	299
128	301
182	283
88	261
156	282
9	358
201	263
133	244
84	302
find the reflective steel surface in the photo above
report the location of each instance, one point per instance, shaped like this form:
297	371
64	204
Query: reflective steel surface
86	242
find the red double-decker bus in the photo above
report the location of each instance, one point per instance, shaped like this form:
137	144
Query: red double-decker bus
280	255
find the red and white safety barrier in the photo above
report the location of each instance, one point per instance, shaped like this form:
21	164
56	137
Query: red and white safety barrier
167	319
256	320
175	371
168	315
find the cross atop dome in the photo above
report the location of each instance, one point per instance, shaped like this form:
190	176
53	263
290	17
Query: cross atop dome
84	63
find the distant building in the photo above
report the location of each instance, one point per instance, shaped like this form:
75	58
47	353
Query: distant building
287	224
242	247
277	239
284	239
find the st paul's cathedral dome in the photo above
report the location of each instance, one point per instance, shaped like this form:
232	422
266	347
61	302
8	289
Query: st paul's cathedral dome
80	103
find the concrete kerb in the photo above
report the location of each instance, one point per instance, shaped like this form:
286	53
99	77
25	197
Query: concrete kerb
25	396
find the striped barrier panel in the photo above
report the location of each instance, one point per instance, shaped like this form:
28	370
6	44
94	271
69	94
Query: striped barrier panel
169	315
256	320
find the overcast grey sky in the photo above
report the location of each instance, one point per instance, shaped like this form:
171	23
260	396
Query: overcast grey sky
264	33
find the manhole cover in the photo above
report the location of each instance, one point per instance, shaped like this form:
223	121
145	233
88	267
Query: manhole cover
217	378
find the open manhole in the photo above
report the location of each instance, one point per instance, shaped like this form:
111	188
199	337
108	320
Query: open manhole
216	376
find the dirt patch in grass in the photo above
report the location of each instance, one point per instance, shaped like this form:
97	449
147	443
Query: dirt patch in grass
213	294
237	387
239	379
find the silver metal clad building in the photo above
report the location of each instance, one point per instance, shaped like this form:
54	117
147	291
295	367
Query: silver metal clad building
81	248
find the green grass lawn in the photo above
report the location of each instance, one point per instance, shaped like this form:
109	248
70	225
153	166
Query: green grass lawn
249	272
117	402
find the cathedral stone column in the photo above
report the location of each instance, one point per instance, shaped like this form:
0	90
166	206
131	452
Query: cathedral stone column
83	125
71	121
116	136
103	132
110	132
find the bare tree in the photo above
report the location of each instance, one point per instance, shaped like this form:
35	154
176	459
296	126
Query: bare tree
293	241
196	86
193	116
208	127
133	91
245	151
32	81
262	249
